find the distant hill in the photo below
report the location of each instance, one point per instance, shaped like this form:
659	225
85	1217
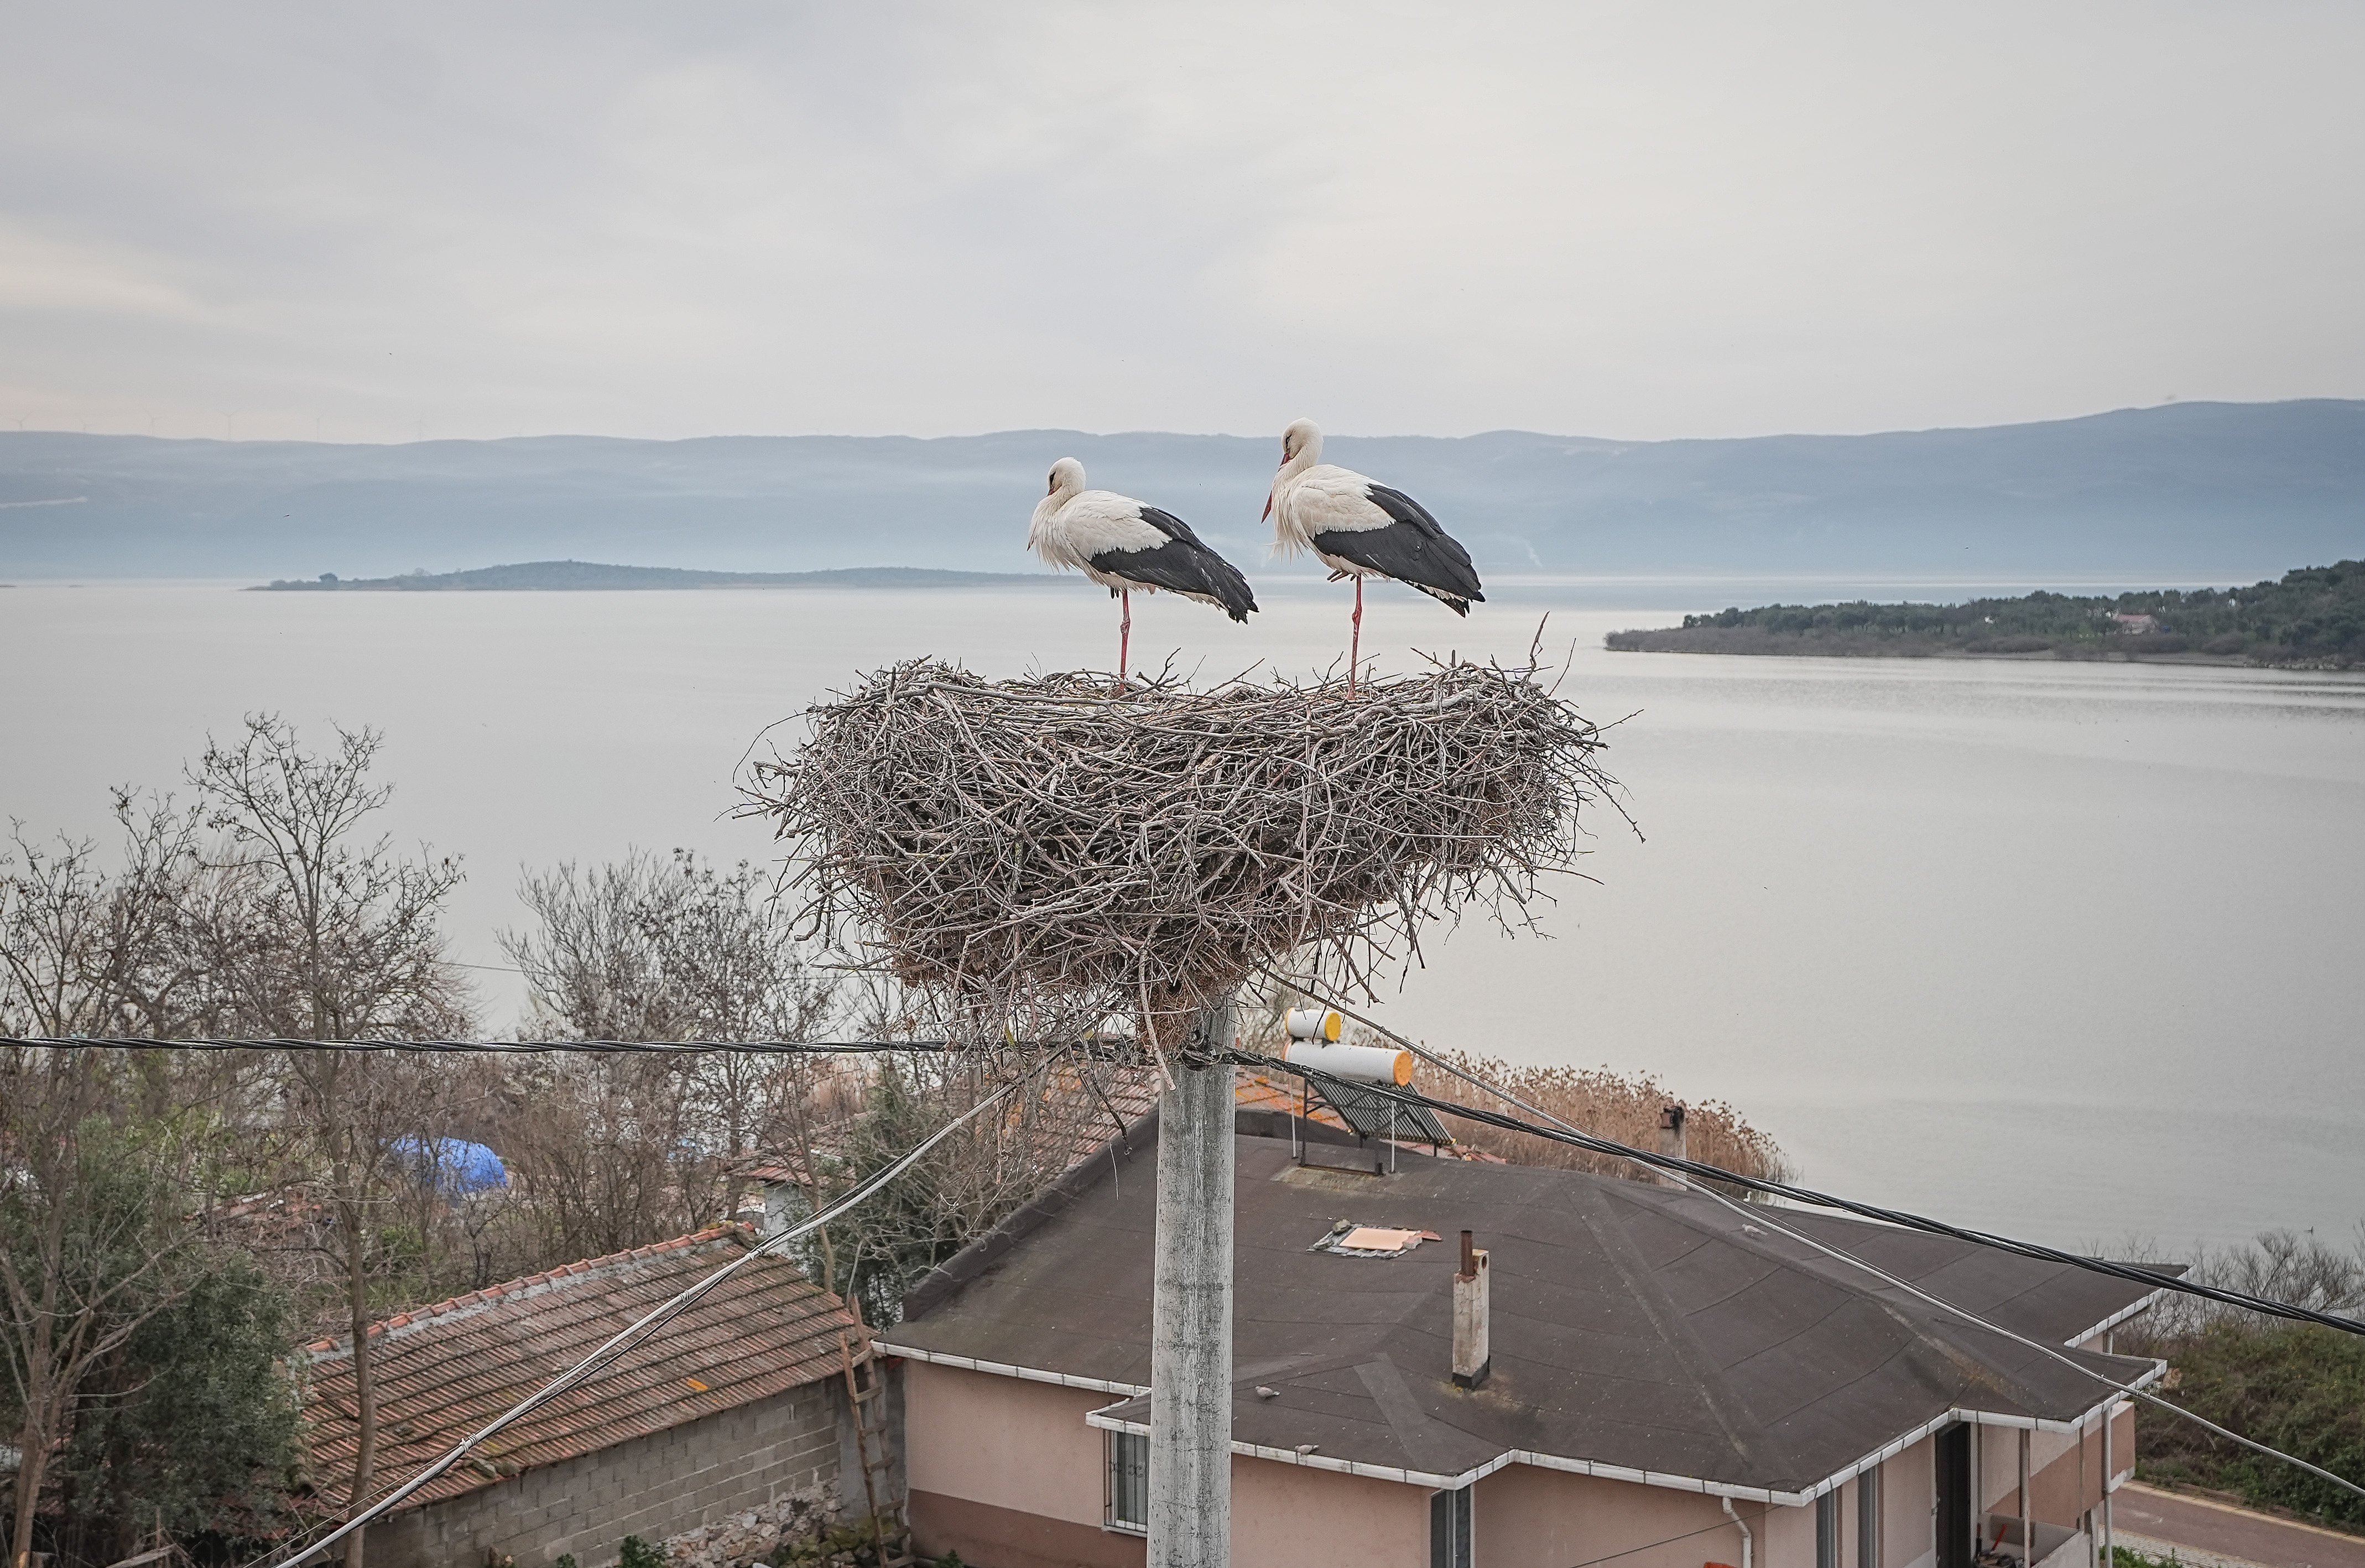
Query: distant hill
575	576
2191	491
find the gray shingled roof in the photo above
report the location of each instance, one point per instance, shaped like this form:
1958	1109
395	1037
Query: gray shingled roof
1636	1330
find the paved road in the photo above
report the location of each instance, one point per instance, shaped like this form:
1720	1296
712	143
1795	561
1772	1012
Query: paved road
2209	1533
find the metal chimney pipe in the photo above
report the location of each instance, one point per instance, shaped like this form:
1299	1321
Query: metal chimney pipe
1473	1357
1672	1142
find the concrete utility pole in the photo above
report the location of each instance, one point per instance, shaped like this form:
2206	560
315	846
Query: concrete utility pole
1190	1311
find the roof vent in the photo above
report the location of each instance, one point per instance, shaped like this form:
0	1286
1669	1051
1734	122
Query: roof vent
1472	1357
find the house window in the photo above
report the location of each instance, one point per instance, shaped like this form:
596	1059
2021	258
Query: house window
1449	1528
1128	1481
1867	1518
1827	1530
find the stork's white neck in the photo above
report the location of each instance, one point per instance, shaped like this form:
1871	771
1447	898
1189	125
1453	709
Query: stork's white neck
1308	454
1039	536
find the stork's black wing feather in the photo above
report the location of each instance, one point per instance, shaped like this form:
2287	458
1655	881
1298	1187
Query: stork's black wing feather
1411	548
1403	509
1182	564
1167	523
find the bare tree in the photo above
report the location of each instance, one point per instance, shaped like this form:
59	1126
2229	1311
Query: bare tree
312	928
621	1150
88	951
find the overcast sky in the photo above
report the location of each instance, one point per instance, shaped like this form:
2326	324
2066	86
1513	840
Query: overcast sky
1636	221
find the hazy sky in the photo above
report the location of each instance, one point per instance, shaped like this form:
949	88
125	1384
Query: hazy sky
1641	220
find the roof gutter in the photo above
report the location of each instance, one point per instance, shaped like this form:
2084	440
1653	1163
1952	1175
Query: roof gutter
1898	1445
2135	1309
1436	1481
1003	1368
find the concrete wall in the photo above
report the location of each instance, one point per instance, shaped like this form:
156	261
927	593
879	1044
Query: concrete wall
651	1486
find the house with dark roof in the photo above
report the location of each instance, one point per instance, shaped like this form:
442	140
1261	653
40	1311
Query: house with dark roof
738	1404
1663	1381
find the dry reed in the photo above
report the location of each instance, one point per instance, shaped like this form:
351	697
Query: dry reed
1622	1107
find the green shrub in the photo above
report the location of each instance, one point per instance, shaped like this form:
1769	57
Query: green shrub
638	1553
2293	1387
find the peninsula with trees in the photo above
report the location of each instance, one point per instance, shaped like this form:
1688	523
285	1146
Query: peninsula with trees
2313	618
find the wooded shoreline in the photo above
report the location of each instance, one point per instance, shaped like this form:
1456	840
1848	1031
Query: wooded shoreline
2313	618
1755	642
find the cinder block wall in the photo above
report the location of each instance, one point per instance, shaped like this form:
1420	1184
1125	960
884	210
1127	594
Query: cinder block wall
651	1486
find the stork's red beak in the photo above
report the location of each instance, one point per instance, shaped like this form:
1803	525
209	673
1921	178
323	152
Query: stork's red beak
1268	508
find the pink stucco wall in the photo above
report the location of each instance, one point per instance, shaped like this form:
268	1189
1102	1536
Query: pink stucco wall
1526	1518
1291	1513
1909	1518
1022	1453
1025	1447
1002	1441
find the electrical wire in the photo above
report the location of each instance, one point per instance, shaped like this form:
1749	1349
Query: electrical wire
2135	1274
1683	1172
1760	1216
1759	1516
1674	1166
650	1321
480	1047
1690	1174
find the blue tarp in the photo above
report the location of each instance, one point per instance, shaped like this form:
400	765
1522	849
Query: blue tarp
458	1167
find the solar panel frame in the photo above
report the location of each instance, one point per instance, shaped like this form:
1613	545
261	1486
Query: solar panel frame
1377	1116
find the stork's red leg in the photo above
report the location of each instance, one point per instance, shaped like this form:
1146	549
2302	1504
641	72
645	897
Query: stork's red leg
1123	635
1355	644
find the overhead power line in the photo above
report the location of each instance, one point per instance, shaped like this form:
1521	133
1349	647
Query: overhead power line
1691	1176
647	1324
1564	1133
478	1048
1693	1170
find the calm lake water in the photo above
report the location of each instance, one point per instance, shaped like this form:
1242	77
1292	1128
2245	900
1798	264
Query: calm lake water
2070	950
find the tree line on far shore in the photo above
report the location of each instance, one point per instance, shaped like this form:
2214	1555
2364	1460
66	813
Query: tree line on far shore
2314	615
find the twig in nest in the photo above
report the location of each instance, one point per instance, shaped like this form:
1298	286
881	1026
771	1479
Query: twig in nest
1046	847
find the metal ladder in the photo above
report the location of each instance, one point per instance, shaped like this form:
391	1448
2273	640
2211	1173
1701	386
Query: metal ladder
865	1396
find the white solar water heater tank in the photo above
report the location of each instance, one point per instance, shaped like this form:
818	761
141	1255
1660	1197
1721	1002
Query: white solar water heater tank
1314	1042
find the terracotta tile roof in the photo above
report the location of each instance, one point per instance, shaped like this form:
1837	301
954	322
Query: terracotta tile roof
1075	1119
443	1370
1257	1092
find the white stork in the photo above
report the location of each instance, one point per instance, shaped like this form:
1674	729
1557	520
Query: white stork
1359	529
1124	544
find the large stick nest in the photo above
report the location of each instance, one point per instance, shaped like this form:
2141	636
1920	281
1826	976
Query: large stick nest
1021	845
